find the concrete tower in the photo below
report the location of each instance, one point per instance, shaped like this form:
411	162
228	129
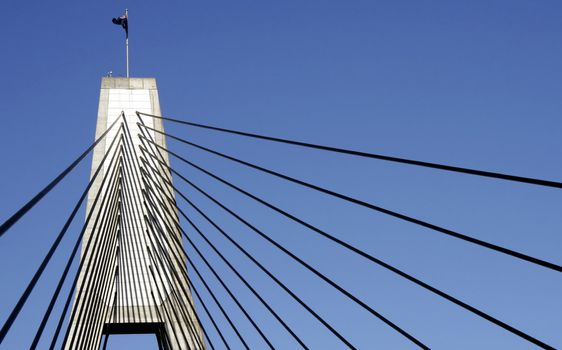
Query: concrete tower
133	277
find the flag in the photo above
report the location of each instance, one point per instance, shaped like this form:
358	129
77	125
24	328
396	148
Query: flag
122	21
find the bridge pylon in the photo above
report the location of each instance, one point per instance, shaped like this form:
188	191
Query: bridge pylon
133	277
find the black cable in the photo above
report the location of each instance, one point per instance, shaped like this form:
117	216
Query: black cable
134	202
179	282
190	285
263	336
95	314
95	254
230	293
127	220
456	169
119	313
376	208
211	318
98	281
136	237
176	222
63	276
129	242
163	339
174	281
131	238
117	279
132	164
164	306
257	263
109	223
104	347
181	262
225	314
106	300
292	294
293	256
92	238
193	333
377	261
26	207
102	285
130	253
23	298
100	289
160	335
90	283
232	268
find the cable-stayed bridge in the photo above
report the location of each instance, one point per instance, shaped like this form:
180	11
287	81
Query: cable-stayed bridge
144	264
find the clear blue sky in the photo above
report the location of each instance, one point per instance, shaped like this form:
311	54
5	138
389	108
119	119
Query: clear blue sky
468	83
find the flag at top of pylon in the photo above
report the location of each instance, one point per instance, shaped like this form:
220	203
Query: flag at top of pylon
123	21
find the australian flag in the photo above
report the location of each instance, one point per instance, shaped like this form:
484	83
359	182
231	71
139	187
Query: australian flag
122	21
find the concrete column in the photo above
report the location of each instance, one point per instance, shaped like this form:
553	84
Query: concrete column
136	283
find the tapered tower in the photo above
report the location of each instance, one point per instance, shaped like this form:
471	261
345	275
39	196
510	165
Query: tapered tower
133	277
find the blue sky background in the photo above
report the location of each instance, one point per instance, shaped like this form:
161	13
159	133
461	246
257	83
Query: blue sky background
468	83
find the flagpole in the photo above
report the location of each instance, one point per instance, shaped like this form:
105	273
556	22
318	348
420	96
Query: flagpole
127	42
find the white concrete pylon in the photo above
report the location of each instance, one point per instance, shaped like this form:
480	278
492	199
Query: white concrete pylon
134	279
